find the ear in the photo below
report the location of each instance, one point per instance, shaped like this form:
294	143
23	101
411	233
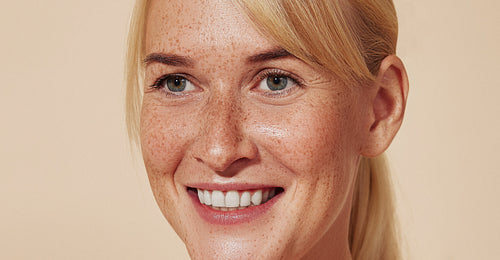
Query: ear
387	106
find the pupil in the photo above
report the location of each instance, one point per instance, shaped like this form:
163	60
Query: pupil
276	80
276	83
177	84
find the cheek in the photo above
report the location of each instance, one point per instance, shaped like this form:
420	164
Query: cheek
159	139
166	132
164	137
319	144
312	137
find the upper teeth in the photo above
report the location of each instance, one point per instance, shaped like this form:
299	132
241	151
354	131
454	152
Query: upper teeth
234	199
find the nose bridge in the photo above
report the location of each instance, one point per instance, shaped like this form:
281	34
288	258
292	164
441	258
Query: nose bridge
222	140
223	126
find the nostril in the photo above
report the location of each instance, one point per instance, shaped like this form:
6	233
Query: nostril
220	150
221	159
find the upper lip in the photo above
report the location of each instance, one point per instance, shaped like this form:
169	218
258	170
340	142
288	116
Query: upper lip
230	186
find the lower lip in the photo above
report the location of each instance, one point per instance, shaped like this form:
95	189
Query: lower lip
231	217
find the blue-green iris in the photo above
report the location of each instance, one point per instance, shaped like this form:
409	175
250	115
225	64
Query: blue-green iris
176	84
277	83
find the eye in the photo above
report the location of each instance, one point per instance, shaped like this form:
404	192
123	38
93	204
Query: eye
276	82
174	84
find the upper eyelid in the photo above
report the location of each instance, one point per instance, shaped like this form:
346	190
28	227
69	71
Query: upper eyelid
260	75
274	71
168	75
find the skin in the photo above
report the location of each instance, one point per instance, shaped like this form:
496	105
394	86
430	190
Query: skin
227	130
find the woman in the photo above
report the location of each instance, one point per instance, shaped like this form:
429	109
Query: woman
262	124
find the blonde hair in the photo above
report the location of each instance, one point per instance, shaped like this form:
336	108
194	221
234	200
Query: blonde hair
348	38
134	69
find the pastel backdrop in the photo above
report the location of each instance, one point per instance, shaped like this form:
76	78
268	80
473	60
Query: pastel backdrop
71	189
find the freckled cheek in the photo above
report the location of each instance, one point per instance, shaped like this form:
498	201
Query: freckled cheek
303	140
164	135
163	138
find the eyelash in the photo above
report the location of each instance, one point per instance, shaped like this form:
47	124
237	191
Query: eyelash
159	83
282	74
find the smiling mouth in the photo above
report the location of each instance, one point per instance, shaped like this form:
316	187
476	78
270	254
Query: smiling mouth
235	199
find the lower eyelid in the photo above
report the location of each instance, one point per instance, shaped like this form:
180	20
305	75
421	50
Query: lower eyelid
280	93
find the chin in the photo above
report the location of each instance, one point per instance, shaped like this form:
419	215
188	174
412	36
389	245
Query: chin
249	220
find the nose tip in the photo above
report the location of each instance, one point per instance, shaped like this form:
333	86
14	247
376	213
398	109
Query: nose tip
222	140
220	156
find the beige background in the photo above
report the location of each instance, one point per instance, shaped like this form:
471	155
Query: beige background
69	188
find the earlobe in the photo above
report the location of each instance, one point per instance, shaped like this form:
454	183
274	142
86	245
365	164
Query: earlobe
388	106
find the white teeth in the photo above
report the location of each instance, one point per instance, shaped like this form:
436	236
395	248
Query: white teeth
257	197
245	199
218	199
232	199
207	197
201	196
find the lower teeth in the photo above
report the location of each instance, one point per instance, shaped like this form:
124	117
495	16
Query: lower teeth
229	209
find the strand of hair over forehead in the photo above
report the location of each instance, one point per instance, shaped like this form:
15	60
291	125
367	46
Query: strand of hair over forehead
348	38
313	31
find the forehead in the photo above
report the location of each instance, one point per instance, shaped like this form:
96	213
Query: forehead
195	27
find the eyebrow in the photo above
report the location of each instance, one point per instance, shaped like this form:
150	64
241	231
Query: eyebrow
276	53
169	59
185	61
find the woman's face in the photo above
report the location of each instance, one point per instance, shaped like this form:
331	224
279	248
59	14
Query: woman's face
232	120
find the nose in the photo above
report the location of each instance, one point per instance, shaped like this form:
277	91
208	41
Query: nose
222	140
